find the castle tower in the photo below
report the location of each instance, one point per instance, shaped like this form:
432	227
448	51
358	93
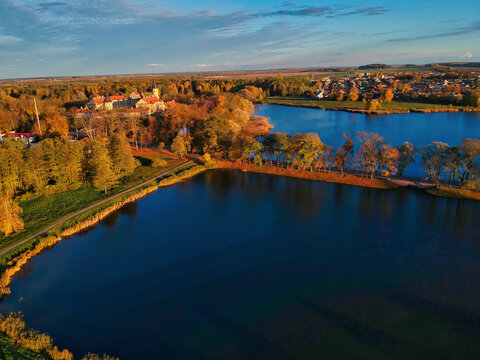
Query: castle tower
155	90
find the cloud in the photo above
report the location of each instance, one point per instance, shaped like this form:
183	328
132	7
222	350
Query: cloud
312	11
48	5
369	11
9	40
466	30
155	65
376	10
467	54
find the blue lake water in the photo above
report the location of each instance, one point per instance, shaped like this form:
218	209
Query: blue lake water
234	265
416	128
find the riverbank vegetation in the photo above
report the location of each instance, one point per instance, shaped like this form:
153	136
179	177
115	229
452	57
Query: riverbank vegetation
19	342
394	106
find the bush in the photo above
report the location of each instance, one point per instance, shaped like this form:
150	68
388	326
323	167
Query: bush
159	162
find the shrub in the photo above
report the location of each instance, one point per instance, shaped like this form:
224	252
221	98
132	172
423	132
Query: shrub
159	162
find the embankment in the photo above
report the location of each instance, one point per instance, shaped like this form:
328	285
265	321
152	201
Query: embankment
454	193
347	179
102	214
183	175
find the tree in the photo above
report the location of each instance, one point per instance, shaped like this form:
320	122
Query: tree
159	162
354	94
11	165
339	94
343	154
472	98
386	95
178	146
434	157
453	162
10	220
368	155
372	104
471	151
310	148
407	156
326	158
99	166
389	156
119	149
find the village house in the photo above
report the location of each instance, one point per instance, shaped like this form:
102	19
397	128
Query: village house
27	137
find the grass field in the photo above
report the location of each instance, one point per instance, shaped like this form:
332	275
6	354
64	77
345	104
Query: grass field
310	102
42	211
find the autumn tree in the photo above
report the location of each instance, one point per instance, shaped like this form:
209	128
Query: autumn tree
389	156
119	149
354	94
407	153
368	156
386	95
453	162
471	151
178	146
99	166
310	149
10	220
343	154
371	104
339	95
11	166
434	158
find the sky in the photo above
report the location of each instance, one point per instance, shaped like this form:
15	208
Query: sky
93	37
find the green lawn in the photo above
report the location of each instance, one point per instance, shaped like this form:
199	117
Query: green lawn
12	351
310	102
41	211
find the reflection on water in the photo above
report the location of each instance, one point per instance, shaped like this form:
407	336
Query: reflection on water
234	265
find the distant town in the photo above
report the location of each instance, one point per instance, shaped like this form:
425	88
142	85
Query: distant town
380	86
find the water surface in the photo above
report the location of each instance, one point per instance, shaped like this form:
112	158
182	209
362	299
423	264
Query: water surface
232	265
416	128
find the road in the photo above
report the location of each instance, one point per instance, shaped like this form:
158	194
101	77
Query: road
76	213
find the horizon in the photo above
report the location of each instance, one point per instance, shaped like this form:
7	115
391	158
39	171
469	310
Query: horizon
76	38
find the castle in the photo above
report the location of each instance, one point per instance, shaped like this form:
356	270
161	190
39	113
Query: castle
136	99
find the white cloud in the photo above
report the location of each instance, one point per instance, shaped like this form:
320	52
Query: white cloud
467	54
8	39
155	64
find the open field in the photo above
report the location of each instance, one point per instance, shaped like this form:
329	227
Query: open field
343	105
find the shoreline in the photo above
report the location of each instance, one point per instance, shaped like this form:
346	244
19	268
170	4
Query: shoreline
347	179
17	262
442	191
374	112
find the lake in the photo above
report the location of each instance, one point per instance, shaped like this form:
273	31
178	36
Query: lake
416	128
235	265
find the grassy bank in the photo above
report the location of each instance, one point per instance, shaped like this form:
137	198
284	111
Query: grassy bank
347	179
454	193
184	174
394	106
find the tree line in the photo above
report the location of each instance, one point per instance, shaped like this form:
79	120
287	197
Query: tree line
374	157
57	101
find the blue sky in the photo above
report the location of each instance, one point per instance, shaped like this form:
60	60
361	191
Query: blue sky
85	37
